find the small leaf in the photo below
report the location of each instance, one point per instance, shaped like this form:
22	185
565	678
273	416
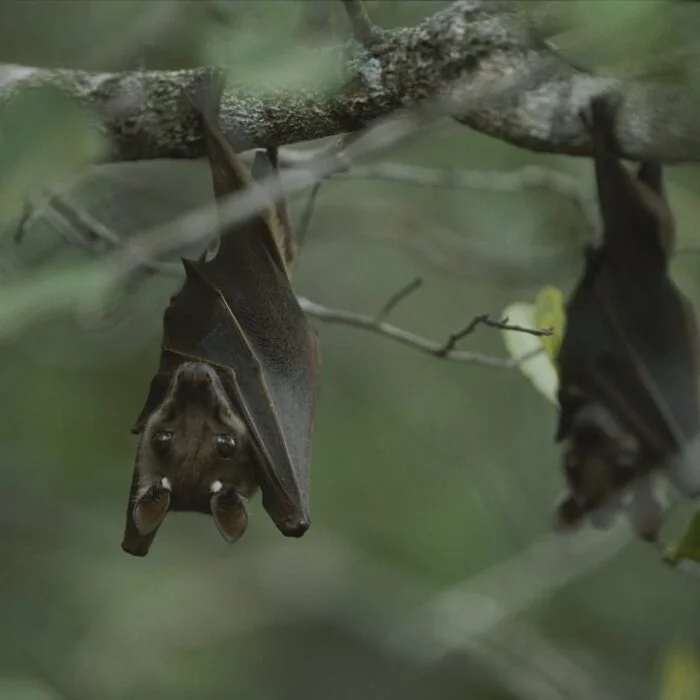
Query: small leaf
538	369
680	675
549	313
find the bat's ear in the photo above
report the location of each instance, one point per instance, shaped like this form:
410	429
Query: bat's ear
228	512
150	509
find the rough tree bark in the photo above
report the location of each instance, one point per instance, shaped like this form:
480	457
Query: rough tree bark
468	49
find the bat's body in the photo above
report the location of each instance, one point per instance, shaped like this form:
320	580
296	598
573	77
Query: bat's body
231	407
628	381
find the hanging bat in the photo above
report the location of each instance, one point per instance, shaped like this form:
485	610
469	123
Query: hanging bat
231	407
628	360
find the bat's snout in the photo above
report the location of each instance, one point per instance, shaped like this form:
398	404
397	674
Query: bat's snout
195	382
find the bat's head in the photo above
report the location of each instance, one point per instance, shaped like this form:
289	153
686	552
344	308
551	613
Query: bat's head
194	455
606	469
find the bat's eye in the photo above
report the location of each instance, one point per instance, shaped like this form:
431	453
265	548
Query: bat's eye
226	445
162	439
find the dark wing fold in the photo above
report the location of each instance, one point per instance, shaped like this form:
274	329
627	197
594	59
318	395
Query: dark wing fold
229	175
627	323
238	313
243	318
636	220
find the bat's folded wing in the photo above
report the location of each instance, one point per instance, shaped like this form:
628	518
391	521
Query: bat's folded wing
636	344
239	313
650	319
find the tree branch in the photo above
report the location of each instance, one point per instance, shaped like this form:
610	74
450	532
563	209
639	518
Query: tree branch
445	351
469	52
528	177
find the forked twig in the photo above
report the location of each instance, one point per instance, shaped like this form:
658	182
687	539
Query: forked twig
484	320
377	324
397	298
93	230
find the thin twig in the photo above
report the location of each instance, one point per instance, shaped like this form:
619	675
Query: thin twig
397	298
504	325
305	221
484	320
190	228
28	215
94	230
240	205
517	180
362	27
369	323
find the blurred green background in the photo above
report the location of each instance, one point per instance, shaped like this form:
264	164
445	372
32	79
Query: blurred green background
430	570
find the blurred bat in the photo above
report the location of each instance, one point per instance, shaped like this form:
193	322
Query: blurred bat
231	407
627	363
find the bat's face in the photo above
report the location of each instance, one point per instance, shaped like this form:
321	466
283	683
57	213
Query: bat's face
607	470
194	455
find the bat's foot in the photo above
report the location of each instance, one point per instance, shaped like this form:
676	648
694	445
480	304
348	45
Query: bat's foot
599	119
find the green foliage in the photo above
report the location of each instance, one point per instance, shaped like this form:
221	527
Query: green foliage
45	138
649	39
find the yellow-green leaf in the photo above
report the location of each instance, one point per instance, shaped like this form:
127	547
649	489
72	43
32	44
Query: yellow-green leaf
680	674
549	313
685	555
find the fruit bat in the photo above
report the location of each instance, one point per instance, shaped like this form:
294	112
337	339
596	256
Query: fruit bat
231	407
628	390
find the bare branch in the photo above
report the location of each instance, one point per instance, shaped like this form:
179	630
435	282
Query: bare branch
370	323
93	231
362	27
528	177
398	298
306	215
484	320
466	52
192	227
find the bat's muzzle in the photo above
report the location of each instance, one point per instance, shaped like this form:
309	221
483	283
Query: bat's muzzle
196	382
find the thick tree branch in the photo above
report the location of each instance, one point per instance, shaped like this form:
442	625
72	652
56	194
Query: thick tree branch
472	51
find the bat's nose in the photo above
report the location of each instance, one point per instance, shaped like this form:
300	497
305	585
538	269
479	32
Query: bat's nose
194	381
195	373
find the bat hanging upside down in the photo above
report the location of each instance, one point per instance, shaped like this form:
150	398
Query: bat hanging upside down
628	360
231	407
